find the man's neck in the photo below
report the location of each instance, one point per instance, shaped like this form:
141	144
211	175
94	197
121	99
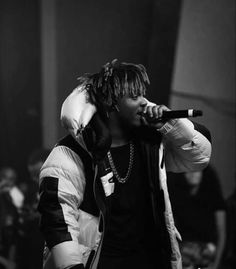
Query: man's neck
194	190
120	136
119	142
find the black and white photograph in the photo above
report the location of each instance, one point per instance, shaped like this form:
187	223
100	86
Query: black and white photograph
117	134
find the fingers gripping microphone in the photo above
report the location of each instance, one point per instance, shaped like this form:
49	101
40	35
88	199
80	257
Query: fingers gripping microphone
174	114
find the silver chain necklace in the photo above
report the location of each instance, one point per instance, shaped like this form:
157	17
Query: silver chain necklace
131	160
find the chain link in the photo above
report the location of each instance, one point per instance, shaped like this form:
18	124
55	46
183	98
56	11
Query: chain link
131	160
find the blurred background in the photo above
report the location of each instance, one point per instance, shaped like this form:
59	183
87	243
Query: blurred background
188	48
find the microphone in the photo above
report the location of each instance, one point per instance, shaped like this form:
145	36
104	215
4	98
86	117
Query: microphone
174	114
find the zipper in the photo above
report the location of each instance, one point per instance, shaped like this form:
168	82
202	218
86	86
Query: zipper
97	254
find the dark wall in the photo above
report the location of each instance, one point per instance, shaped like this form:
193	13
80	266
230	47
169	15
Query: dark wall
91	33
88	34
19	81
162	47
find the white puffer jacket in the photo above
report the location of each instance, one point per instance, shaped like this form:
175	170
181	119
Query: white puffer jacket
71	233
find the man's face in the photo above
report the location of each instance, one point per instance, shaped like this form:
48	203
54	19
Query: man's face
193	178
8	178
129	107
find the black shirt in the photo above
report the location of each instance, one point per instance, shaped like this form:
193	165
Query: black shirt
130	216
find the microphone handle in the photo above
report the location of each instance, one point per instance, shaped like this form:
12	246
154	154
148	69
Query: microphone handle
175	114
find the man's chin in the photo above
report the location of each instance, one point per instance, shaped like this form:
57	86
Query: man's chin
133	124
137	123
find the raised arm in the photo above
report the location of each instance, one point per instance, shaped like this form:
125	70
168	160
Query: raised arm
187	145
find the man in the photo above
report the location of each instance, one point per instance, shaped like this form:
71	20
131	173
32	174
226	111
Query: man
11	203
199	211
31	241
103	195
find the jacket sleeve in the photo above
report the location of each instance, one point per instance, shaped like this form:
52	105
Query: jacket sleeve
187	146
62	183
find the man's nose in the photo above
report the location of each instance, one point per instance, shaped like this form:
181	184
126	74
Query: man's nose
143	101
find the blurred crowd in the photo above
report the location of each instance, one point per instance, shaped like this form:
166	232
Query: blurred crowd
205	220
21	243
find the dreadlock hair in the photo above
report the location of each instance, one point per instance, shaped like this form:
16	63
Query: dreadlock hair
113	82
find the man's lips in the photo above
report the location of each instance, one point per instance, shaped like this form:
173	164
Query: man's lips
141	113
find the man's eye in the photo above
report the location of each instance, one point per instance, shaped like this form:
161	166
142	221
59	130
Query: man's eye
135	97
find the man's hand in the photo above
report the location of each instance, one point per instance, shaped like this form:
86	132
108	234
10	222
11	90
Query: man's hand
152	115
